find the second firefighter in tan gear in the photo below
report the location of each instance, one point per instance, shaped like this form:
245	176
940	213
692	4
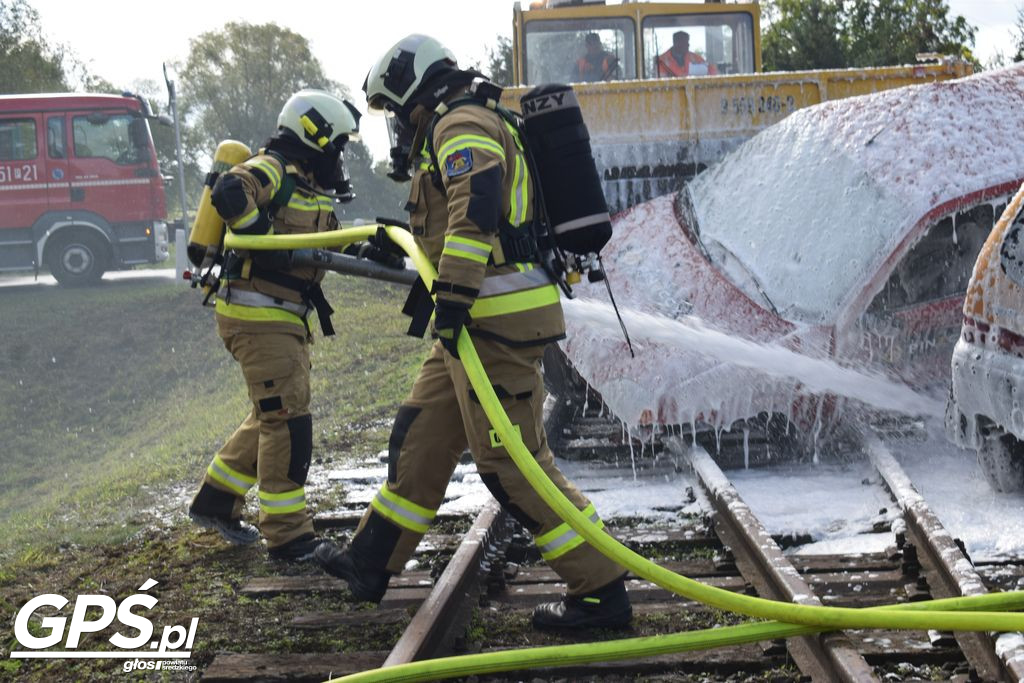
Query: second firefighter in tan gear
262	310
511	309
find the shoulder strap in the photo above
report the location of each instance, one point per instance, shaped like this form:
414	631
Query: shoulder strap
282	196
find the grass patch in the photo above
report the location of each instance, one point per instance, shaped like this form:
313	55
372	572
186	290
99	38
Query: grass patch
112	394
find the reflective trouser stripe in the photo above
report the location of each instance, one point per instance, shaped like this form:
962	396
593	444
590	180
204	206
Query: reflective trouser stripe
477	141
258	313
283	503
466	248
272	173
562	538
515	302
402	512
220	472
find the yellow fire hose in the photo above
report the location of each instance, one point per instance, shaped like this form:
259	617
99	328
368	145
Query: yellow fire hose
990	612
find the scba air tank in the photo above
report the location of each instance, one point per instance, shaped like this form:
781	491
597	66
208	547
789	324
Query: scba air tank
560	146
207	234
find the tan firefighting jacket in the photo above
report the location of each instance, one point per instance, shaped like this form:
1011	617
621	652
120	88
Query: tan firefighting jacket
486	184
247	301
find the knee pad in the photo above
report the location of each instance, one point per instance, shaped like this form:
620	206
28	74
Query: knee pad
493	485
300	431
399	430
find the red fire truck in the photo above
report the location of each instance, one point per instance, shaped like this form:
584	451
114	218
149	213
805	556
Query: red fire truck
80	187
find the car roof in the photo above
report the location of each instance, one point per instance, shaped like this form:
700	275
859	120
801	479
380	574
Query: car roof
815	205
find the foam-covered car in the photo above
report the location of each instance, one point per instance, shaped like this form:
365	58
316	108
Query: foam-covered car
847	231
986	406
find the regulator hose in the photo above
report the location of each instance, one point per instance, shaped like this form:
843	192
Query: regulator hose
974	613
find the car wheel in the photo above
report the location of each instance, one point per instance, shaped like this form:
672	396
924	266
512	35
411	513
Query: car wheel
78	258
1001	458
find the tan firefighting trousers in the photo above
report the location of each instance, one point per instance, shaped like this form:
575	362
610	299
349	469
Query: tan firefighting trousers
273	446
433	427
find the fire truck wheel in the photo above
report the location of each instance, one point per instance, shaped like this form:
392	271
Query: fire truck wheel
77	258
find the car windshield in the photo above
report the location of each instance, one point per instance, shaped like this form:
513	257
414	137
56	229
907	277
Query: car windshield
801	219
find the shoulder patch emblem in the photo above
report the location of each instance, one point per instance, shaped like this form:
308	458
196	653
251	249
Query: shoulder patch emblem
458	162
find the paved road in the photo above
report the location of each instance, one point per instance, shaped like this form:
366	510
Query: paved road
46	280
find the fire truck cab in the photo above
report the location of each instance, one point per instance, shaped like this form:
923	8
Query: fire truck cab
80	187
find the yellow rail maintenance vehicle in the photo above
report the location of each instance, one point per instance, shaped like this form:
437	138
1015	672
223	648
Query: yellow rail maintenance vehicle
668	89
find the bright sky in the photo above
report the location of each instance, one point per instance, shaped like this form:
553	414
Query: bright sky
113	38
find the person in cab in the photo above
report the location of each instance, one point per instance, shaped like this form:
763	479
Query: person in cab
679	61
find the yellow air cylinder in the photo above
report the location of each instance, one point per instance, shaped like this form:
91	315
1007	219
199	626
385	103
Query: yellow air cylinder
204	241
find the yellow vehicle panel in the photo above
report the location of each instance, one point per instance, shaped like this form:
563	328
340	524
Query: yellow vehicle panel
650	136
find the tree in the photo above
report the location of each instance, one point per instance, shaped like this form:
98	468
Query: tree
884	33
805	34
809	34
499	62
236	80
1018	35
30	63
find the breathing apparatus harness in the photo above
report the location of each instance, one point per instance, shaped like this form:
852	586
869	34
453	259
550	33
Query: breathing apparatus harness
563	258
270	266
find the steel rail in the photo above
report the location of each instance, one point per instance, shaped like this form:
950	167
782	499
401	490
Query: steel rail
456	590
953	572
823	657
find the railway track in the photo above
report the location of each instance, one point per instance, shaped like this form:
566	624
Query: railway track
474	589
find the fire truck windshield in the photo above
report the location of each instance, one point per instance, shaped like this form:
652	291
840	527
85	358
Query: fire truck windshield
111	136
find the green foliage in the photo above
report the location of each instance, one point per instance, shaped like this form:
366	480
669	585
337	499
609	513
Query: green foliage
499	62
30	63
884	33
815	34
236	80
805	36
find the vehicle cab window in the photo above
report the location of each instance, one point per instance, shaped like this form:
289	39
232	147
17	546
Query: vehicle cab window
17	139
698	45
939	266
108	136
579	50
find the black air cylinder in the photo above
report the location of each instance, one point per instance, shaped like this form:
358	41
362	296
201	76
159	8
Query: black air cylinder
560	145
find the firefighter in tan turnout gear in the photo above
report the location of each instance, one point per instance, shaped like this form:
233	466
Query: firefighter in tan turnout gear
470	213
262	310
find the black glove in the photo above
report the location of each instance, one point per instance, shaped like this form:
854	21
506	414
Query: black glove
369	251
449	319
382	241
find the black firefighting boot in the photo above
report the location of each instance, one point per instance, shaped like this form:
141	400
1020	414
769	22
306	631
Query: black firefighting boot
607	607
299	549
212	509
366	584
